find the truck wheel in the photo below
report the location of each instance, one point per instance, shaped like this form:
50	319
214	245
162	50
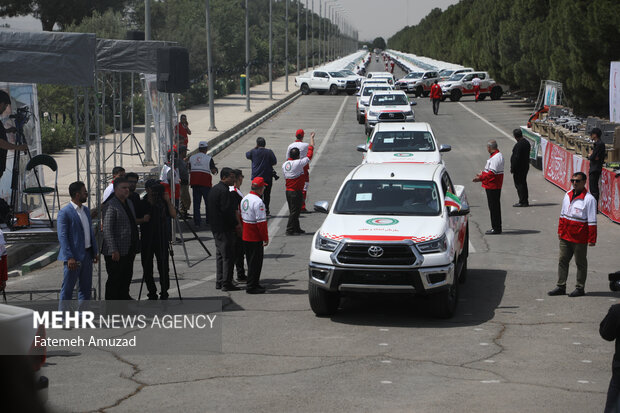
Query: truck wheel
305	89
361	120
333	90
482	97
322	302
455	95
496	93
463	258
443	304
320	92
419	91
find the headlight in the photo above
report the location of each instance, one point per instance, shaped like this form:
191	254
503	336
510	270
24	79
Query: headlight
371	113
341	81
325	244
437	245
410	113
446	85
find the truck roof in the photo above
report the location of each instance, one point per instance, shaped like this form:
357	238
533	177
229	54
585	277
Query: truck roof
395	171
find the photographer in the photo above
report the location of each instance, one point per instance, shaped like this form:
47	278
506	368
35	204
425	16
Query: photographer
155	210
5	101
263	161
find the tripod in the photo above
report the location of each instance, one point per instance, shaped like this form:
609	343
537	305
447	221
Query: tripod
134	141
195	238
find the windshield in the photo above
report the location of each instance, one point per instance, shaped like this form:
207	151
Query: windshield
390	197
457	76
446	73
385	100
347	73
368	90
415	75
410	141
336	74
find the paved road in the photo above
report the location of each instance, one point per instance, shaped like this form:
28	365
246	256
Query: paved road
510	348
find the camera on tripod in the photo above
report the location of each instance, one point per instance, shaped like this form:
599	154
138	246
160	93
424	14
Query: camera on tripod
614	281
22	116
275	175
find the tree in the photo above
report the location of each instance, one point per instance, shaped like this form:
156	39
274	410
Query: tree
61	12
379	43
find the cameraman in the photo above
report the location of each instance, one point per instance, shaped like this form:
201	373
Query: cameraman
5	101
263	161
155	210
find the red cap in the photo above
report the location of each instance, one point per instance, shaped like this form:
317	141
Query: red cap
259	182
300	133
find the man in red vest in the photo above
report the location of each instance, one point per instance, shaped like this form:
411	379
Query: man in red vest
492	178
255	234
436	95
293	170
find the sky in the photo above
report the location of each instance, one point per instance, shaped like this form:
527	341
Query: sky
371	18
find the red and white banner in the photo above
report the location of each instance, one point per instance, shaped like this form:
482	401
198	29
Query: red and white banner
559	165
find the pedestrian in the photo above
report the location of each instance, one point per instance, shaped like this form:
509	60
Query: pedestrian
182	131
186	200
167	176
255	234
117	172
4	269
303	152
610	331
78	246
436	95
293	170
519	167
120	241
237	195
596	158
202	168
224	224
576	230
263	160
476	82
492	178
5	145
133	178
156	210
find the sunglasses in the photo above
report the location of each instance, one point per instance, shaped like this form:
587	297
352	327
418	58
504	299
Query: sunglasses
576	180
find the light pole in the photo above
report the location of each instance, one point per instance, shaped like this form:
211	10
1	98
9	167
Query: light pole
306	35
270	53
312	17
286	46
320	35
148	159
247	58
298	6
210	71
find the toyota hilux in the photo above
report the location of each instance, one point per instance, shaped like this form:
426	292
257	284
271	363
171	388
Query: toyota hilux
363	99
461	84
417	82
393	228
391	106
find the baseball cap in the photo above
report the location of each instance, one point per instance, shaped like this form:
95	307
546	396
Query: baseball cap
203	144
259	182
299	133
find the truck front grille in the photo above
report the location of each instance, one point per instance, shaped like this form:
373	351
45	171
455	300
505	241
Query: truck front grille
393	254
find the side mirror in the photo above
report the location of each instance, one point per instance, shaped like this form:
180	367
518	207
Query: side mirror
321	206
413	103
357	94
445	148
361	148
457	213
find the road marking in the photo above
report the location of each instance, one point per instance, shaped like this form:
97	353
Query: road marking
274	226
486	121
386	361
540	299
489	361
471	248
198	282
383	344
583	381
384	329
489	381
484	344
586	361
386	382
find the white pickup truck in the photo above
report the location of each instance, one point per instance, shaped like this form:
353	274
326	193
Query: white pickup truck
323	81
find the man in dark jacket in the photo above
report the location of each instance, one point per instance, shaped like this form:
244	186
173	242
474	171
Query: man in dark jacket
224	224
610	331
519	166
263	160
596	158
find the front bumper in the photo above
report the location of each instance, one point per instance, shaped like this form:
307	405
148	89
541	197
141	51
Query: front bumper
421	280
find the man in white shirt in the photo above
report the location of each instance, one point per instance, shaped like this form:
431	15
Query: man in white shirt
117	172
78	246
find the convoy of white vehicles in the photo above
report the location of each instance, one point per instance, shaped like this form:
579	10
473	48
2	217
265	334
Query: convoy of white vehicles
388	106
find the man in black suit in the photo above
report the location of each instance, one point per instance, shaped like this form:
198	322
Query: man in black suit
610	331
519	166
597	159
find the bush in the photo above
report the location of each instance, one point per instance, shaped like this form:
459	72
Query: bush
56	136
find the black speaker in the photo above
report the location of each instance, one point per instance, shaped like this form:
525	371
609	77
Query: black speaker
134	35
172	69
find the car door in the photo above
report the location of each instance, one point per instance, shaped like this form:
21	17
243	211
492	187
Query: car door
484	82
456	223
468	86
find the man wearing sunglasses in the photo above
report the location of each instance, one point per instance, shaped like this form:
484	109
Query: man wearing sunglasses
576	230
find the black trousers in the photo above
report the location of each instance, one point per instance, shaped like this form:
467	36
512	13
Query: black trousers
436	103
239	255
254	253
295	200
495	208
161	255
267	196
613	393
224	257
119	277
520	179
593	178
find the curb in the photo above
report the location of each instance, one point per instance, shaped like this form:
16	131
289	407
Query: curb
39	262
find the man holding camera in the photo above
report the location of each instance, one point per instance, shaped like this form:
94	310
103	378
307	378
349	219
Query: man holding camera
263	160
155	210
5	101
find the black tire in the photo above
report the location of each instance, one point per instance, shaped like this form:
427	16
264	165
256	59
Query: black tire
320	92
482	97
361	120
455	95
350	92
322	302
305	89
496	93
443	304
333	90
419	91
463	258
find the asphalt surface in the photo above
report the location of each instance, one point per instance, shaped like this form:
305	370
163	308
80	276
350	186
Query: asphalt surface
510	347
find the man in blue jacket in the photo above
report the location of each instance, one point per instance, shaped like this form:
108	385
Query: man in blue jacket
263	160
78	246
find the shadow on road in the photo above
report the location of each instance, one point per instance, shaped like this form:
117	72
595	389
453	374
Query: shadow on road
479	298
520	231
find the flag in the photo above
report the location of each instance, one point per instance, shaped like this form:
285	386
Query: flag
452	201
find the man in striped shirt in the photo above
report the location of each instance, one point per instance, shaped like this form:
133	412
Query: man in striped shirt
492	178
576	230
